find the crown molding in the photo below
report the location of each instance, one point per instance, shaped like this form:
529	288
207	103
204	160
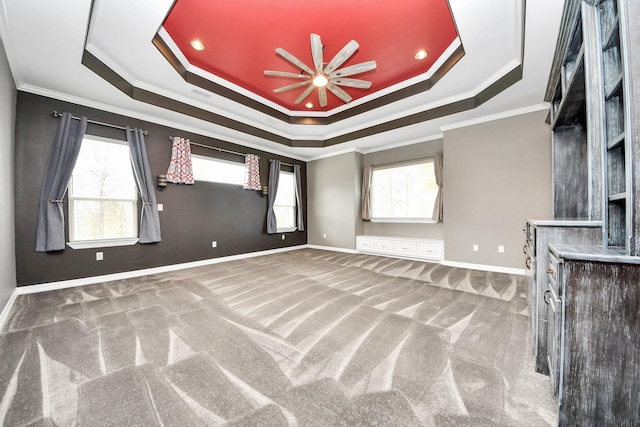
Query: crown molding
498	116
36	90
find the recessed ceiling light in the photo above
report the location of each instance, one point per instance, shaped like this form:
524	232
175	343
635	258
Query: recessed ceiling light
421	54
196	44
308	105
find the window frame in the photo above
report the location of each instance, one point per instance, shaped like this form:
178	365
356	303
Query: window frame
295	203
399	220
100	243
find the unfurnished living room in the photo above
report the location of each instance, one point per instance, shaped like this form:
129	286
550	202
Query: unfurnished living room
250	213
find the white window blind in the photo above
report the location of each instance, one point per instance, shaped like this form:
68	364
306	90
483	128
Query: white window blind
285	203
215	170
103	197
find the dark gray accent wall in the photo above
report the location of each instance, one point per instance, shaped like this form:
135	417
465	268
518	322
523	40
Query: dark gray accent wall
193	215
7	119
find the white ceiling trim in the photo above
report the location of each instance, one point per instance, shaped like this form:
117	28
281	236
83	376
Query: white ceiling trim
506	69
154	119
494	117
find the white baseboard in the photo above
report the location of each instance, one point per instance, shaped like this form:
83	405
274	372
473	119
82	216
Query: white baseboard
7	308
137	273
331	248
482	267
22	290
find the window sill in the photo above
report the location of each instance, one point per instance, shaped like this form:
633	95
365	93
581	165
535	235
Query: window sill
106	243
286	230
405	220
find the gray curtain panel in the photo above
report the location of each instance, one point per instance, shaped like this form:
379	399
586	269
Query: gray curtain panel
437	169
149	219
62	159
274	177
365	204
296	172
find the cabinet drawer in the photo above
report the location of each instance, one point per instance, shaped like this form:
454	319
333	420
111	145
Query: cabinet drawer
405	248
384	246
429	251
364	244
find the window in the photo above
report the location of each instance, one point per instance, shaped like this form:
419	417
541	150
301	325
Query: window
403	192
285	204
103	197
216	170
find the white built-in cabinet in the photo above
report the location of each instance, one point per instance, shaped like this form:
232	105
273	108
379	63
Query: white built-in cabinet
403	247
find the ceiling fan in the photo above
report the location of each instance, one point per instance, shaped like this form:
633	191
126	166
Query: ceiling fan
324	77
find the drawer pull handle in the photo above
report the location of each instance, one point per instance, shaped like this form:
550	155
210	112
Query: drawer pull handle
528	263
544	297
551	271
524	249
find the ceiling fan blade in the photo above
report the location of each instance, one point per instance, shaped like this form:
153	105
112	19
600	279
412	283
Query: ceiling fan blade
354	69
339	92
316	52
344	54
360	84
304	94
286	74
295	61
292	86
322	96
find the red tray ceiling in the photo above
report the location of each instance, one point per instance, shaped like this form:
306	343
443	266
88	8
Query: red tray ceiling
240	38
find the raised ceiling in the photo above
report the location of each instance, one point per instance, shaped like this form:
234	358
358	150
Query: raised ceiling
124	57
240	39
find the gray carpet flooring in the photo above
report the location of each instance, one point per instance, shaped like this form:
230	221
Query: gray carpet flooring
301	338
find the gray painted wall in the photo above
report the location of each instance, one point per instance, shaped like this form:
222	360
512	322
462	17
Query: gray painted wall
408	152
496	175
7	226
333	190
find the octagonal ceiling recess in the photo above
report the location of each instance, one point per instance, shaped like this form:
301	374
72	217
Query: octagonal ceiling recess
240	39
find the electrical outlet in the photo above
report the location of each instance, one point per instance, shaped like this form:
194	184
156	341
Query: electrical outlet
99	256
160	207
501	249
214	244
324	235
283	237
475	248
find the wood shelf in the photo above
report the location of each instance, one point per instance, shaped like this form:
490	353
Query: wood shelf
616	87
616	142
612	37
572	106
619	197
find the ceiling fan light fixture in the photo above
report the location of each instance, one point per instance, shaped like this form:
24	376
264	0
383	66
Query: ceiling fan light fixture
320	80
197	44
421	54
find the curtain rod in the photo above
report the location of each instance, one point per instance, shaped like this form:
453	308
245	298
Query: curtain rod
58	114
223	150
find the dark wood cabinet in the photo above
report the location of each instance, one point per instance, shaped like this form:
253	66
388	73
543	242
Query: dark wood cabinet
588	293
539	234
595	335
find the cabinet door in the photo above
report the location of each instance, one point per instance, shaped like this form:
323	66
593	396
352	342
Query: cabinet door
405	248
554	329
364	244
